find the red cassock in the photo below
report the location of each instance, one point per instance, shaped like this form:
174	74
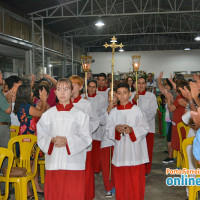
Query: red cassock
96	161
89	178
105	163
64	185
130	182
150	142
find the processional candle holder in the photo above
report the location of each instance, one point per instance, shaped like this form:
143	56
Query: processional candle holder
86	62
136	66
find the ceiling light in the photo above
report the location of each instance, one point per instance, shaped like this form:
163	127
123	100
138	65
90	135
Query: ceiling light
121	50
197	38
113	40
50	65
99	24
187	49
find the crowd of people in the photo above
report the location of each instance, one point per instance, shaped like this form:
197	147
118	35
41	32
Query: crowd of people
83	134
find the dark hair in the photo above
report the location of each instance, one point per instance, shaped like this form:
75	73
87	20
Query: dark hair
114	90
180	76
39	87
26	80
128	78
125	85
169	83
92	81
23	96
102	75
142	78
181	84
11	80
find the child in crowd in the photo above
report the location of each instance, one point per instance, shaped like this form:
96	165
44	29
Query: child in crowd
106	152
127	127
64	135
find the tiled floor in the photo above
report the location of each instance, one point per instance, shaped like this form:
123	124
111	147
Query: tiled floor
156	188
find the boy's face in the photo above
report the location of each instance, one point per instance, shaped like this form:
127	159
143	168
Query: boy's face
63	93
123	95
92	88
141	85
101	81
76	89
114	97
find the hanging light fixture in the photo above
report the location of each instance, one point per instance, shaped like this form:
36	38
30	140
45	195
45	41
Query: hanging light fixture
197	38
121	50
99	23
187	49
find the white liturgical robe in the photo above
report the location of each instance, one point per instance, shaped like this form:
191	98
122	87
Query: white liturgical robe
86	107
106	142
74	125
126	152
98	105
148	104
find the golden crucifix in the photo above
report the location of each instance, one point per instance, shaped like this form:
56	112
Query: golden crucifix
113	45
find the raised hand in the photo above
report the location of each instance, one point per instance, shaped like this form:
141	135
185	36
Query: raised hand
172	82
196	118
194	90
186	93
161	75
196	77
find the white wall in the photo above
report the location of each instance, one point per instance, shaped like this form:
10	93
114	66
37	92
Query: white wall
151	61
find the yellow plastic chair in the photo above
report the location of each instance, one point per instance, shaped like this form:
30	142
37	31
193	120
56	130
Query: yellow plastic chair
192	189
14	131
3	154
41	163
180	157
175	153
26	143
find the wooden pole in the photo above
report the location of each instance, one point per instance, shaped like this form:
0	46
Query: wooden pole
86	85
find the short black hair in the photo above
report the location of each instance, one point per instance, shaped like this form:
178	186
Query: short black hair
180	77
102	75
142	78
92	81
125	85
11	80
39	87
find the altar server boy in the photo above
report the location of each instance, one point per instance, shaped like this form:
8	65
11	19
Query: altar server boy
127	127
98	104
107	146
64	135
86	107
148	104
